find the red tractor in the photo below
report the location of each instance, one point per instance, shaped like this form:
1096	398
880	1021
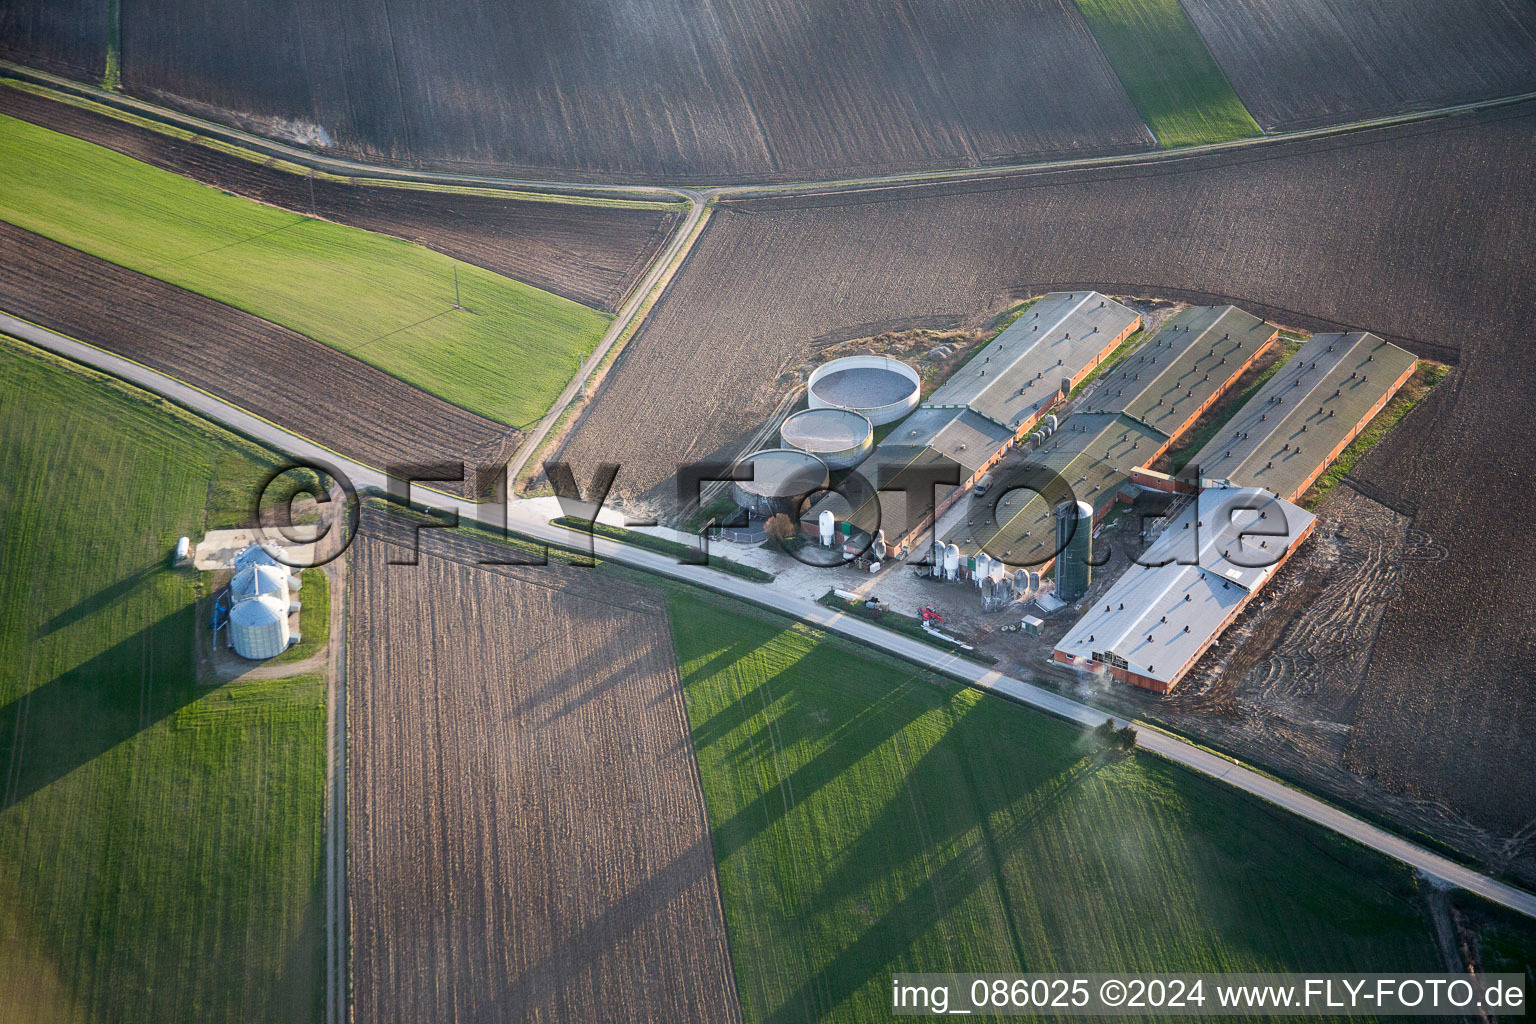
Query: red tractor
930	616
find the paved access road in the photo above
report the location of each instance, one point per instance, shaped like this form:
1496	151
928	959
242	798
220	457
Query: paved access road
520	519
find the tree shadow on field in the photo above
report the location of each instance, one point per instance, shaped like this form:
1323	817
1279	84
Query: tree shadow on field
596	673
851	741
107	595
74	718
567	978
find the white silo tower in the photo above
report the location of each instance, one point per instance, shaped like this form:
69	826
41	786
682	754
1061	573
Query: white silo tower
258	626
827	521
951	560
983	567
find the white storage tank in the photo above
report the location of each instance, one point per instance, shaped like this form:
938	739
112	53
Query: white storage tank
258	626
879	388
841	438
827	523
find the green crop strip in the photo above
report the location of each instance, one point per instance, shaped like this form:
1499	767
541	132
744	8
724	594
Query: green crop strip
506	354
1169	73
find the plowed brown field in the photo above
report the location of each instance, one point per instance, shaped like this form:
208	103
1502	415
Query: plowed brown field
68	37
329	397
1423	234
674	90
1299	63
527	838
592	254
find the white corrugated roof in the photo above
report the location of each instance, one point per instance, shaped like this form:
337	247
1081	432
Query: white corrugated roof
1020	370
1220	549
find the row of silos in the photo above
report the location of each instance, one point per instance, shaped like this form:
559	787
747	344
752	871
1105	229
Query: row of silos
261	601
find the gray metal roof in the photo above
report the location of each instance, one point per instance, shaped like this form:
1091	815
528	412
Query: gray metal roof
1197	353
1312	404
1156	617
1017	373
1089	458
959	434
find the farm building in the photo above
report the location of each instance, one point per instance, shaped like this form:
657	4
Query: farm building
1305	415
1157	619
1019	375
1124	421
255	608
1006	389
1090	459
1182	371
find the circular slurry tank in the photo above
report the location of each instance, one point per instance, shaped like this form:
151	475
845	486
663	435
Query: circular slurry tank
879	388
781	478
841	438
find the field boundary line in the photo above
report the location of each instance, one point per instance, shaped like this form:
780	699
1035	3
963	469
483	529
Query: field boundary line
626	324
545	189
557	190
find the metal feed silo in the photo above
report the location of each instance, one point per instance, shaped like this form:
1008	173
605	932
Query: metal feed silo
1074	549
258	626
257	579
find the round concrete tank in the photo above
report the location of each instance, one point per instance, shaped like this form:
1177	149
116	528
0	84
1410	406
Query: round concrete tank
781	479
827	523
879	388
1074	549
258	626
841	438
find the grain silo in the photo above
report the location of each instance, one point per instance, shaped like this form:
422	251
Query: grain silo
259	578
1074	549
258	626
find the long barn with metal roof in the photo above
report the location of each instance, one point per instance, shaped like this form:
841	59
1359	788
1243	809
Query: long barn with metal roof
1037	359
1154	623
1305	415
1089	459
1130	416
1184	368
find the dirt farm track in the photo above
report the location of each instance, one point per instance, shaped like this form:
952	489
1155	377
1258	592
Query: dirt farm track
526	837
1422	233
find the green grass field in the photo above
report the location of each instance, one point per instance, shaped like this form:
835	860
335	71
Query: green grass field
867	820
389	302
1172	78
314	617
160	844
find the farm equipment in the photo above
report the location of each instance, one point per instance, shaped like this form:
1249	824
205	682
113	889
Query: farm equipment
930	617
